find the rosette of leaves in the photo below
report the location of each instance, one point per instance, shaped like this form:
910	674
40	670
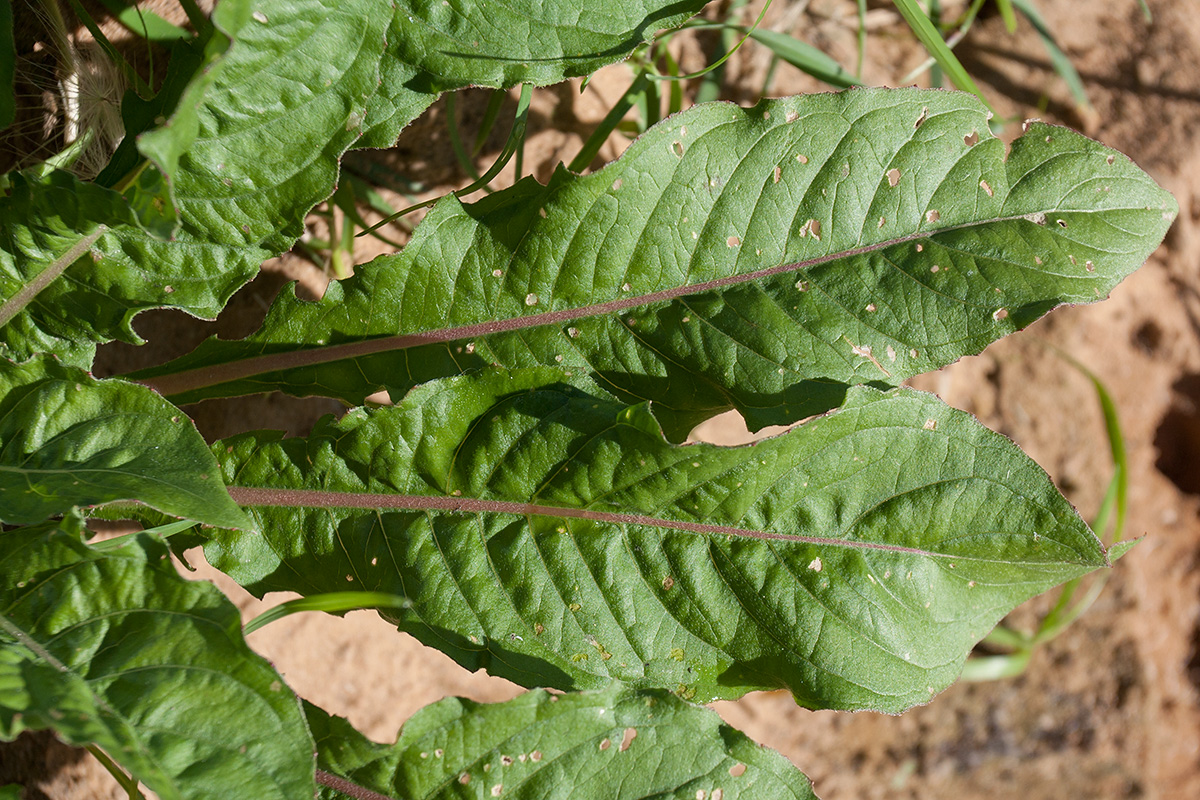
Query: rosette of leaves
546	350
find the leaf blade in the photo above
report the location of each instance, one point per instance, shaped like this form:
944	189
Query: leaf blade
541	745
67	439
781	255
118	650
557	539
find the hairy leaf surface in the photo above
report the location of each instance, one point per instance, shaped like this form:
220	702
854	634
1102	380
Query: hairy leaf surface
557	539
586	746
118	650
762	259
67	439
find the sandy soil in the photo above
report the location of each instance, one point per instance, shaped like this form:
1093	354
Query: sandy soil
1108	710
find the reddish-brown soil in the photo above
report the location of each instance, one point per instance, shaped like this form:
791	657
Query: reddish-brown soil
1111	709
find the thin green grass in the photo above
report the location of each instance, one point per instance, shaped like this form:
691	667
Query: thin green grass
1109	525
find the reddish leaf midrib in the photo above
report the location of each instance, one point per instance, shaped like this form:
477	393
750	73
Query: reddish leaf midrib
316	498
202	377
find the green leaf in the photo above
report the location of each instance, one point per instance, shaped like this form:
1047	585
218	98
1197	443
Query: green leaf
67	439
284	88
929	36
528	41
557	539
752	258
331	603
144	22
587	746
292	84
1060	60
53	227
118	650
805	57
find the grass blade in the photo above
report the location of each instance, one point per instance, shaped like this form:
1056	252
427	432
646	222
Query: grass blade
607	125
495	103
330	603
1006	13
1060	60
805	58
861	42
460	152
933	42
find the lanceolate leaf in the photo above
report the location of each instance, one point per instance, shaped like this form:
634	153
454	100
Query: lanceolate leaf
67	439
284	89
588	746
118	650
763	259
557	539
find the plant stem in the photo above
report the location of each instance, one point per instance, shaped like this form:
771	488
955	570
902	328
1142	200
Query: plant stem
127	782
346	787
701	73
